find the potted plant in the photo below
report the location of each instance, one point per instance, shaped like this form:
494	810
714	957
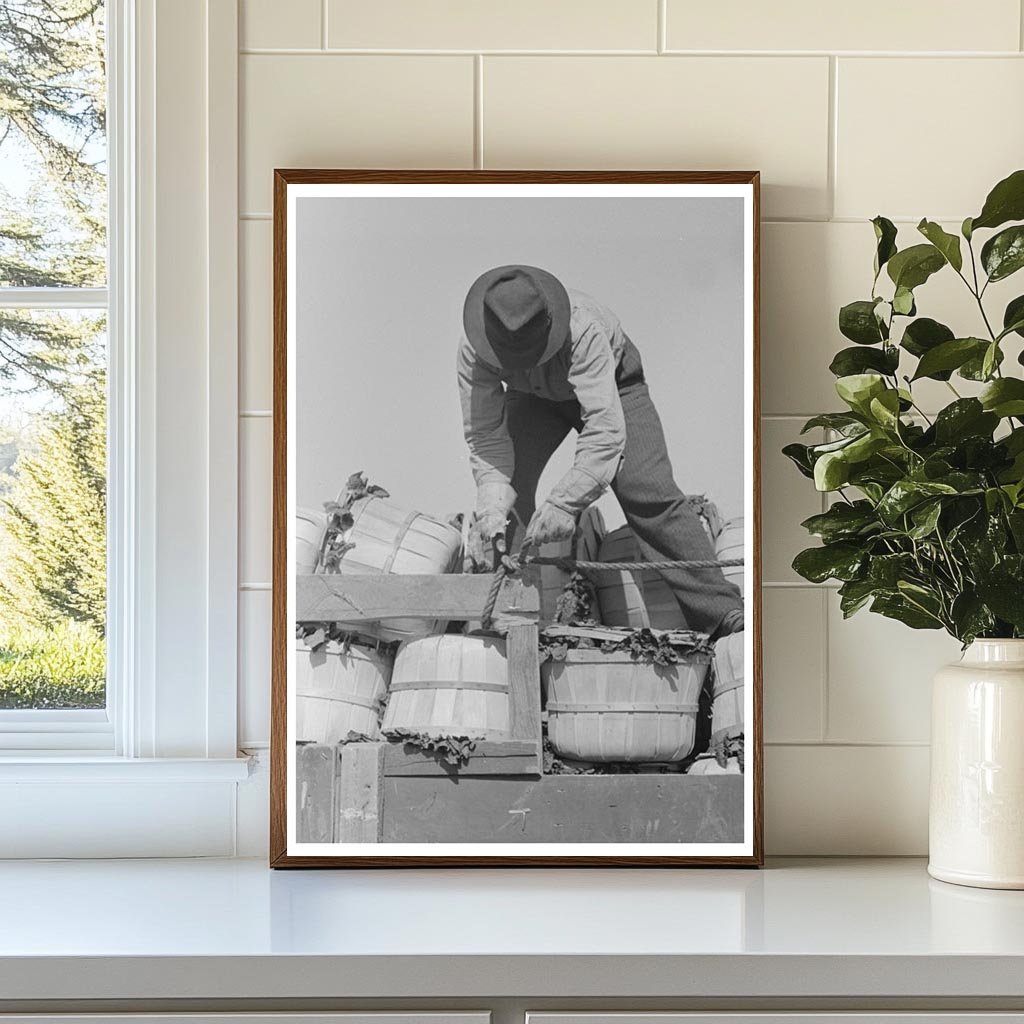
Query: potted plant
926	521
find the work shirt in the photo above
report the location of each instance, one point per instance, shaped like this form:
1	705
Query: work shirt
582	370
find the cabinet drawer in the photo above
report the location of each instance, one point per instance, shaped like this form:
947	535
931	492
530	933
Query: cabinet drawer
934	1017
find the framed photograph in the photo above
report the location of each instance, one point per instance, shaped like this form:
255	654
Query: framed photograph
516	607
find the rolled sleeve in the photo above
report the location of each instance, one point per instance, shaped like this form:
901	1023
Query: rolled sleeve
482	398
602	440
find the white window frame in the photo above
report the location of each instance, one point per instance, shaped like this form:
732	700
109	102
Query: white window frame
172	515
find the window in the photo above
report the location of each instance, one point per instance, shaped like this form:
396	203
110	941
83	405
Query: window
53	369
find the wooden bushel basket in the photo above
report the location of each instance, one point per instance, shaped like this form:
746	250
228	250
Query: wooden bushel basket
634	599
310	527
450	685
390	539
730	544
338	692
608	707
727	689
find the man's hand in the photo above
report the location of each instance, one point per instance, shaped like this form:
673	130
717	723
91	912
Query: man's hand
494	502
549	523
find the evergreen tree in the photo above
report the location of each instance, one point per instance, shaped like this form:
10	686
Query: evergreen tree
53	234
53	519
52	125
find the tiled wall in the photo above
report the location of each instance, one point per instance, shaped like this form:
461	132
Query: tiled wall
907	108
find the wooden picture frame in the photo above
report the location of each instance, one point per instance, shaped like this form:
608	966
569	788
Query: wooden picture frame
353	802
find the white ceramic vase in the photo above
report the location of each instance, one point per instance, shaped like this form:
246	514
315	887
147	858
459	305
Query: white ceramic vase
976	818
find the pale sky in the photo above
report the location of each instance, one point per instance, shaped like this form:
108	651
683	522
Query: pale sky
381	283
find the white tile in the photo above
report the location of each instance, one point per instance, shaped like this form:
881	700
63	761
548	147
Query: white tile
961	131
254	667
787	499
794	663
846	801
697	113
491	25
867	25
809	271
254	511
255	315
880	676
351	111
273	24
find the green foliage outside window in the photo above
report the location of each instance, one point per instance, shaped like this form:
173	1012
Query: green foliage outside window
52	364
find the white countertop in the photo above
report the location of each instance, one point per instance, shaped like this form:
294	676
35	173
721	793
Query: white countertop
233	929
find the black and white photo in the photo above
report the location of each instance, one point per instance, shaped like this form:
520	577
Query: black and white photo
516	496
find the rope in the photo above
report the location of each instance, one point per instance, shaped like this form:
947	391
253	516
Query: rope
568	564
487	615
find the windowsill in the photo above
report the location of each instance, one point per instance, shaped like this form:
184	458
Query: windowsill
77	766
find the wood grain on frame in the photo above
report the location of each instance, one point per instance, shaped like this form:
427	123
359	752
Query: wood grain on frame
282	631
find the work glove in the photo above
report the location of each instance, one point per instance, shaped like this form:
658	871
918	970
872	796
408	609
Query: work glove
494	502
549	523
728	743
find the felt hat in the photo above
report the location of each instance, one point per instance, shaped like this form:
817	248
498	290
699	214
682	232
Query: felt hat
516	317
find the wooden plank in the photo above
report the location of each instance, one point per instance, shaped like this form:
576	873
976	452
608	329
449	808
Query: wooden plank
314	793
490	757
565	809
524	686
360	795
336	598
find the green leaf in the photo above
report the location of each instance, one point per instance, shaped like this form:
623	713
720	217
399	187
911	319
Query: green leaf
912	267
925	518
858	389
966	417
817	450
843	521
849	361
831	471
991	360
1005	202
950	355
964	481
865	446
885	409
906	494
897	607
841	421
974	368
995	500
1013	317
1004	397
903	302
924	334
854	594
857	321
1006	599
965	229
947	244
799	455
840	561
872	491
885	237
971	616
1003	254
885	571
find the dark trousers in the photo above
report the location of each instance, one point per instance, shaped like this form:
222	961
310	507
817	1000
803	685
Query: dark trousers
665	524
